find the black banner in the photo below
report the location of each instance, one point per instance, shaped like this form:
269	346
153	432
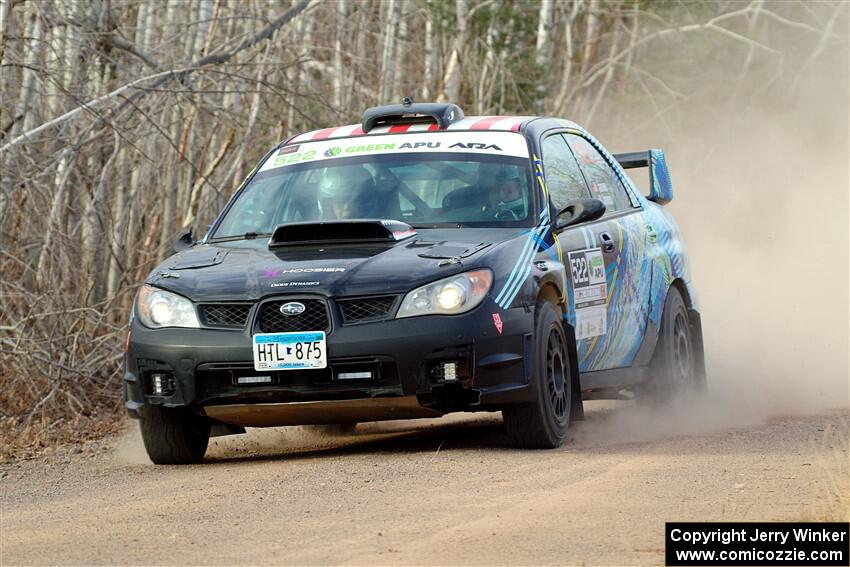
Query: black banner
757	543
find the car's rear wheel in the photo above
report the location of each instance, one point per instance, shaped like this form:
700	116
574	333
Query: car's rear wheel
674	368
173	436
543	423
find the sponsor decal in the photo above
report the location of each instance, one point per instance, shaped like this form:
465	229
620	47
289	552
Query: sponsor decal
295	157
590	292
288	150
417	145
476	146
310	270
503	143
292	284
591	322
269	273
497	321
369	148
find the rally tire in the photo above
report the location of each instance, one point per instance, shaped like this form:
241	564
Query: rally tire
674	367
173	436
543	423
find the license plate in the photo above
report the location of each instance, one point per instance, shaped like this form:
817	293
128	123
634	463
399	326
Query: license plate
290	351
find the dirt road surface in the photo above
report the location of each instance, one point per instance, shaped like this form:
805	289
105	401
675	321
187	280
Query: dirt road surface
439	492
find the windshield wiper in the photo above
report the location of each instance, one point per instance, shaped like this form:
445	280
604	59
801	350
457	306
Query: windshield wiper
246	236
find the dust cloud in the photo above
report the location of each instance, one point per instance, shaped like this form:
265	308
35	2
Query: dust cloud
760	177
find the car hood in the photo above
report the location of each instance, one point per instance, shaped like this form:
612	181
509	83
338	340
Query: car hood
249	270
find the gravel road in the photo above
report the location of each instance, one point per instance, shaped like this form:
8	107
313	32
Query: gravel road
445	491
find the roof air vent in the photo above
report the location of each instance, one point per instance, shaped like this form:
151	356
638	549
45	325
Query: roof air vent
412	112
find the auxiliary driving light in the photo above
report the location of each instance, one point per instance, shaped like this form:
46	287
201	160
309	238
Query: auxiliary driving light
450	371
254	380
162	384
354	375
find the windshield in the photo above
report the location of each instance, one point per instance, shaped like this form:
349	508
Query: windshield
424	189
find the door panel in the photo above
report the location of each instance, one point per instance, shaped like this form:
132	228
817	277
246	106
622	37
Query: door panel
591	254
622	236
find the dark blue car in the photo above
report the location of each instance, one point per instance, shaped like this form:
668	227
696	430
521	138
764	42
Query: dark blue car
416	264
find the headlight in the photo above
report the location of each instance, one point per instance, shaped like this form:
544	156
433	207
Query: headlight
160	308
449	296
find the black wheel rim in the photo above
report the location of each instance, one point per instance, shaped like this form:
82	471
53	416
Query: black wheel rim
682	356
557	376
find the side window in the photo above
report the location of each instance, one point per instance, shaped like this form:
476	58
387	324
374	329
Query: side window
603	182
563	177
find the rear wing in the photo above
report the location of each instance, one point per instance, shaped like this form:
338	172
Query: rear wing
660	187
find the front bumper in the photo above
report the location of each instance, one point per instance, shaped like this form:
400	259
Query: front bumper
404	355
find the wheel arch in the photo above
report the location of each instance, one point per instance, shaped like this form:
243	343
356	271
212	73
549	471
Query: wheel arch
653	325
695	321
680	284
550	291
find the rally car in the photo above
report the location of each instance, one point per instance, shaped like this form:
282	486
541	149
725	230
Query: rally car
418	263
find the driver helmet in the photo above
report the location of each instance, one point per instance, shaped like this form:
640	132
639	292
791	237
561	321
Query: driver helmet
341	187
510	195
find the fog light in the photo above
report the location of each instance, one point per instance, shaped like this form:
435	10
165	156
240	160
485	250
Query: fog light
254	380
162	384
354	376
450	371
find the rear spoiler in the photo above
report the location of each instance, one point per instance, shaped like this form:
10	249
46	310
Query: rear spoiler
660	186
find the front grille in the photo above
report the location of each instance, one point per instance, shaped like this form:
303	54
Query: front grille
227	315
367	308
314	318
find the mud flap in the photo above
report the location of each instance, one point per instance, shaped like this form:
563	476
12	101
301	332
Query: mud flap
699	347
577	407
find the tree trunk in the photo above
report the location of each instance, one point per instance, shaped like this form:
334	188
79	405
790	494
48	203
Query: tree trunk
543	52
24	116
454	68
339	71
431	54
388	58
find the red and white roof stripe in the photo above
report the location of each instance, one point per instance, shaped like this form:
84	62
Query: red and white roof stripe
500	123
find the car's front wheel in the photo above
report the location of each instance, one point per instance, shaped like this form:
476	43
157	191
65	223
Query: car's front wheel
173	436
543	423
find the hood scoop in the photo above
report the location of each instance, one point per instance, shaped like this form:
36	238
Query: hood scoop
339	232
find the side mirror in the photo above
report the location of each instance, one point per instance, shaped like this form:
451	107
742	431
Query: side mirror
579	211
183	242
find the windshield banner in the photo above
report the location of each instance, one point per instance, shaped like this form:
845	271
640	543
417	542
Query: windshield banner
494	143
